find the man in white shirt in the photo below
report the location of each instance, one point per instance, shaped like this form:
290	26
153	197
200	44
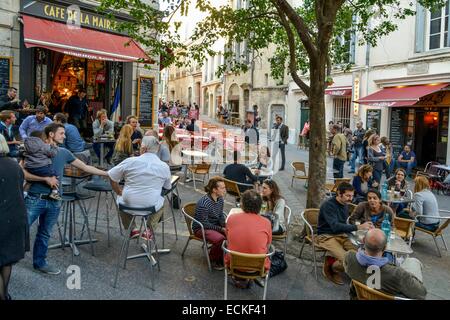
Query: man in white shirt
144	176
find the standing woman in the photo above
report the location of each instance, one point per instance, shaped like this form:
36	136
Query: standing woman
273	205
14	235
124	145
376	157
365	143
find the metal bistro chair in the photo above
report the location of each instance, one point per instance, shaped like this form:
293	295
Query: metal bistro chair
364	292
404	228
284	235
311	217
188	211
247	266
233	188
439	231
331	188
301	168
166	193
201	169
143	214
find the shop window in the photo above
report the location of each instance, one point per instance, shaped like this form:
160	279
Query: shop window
438	36
342	110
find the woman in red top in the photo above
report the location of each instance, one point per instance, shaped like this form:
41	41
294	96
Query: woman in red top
248	232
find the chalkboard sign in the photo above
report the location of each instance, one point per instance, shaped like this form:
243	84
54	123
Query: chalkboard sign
145	98
373	119
397	132
5	74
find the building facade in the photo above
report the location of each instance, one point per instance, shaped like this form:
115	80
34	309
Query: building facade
59	47
402	85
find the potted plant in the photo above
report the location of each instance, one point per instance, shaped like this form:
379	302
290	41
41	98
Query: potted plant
329	81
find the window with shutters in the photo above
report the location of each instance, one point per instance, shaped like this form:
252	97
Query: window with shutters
342	109
437	28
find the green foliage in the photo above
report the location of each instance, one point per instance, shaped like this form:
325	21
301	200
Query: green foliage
260	25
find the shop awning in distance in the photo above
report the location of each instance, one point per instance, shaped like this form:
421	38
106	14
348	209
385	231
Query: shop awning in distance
339	91
401	96
80	42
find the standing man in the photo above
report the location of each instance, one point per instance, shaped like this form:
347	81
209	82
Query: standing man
256	115
36	122
77	107
339	148
281	136
358	148
40	205
333	229
9	100
7	121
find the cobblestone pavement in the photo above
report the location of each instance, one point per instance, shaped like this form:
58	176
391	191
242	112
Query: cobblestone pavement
188	277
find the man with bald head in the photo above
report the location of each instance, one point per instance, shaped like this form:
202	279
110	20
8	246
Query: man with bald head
404	280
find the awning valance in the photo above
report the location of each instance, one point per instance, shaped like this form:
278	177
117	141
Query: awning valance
80	42
339	91
400	96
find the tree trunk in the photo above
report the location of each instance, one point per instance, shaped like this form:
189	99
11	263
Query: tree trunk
318	141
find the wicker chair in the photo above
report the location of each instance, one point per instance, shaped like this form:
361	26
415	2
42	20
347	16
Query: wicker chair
299	167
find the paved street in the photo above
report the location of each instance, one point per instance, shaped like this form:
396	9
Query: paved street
189	278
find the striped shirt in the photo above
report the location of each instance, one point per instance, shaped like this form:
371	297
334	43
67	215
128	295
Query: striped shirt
209	213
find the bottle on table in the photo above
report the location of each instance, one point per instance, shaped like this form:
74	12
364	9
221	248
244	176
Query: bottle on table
386	227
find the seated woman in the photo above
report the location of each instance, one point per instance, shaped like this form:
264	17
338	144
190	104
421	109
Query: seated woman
425	203
373	210
170	140
209	212
248	232
362	182
398	182
273	206
124	146
264	162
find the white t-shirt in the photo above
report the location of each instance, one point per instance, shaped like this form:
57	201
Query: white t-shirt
144	176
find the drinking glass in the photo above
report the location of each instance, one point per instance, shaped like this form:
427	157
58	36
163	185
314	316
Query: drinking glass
402	192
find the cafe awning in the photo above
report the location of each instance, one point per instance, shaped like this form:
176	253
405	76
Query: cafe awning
400	96
339	91
80	42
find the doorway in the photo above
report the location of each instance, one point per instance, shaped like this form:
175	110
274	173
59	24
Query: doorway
426	136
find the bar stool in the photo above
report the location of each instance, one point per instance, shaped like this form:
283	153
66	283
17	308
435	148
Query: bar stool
166	193
101	187
68	217
143	214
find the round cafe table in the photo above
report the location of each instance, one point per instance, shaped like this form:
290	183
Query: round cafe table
193	154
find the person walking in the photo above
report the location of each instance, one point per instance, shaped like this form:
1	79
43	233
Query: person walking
14	235
339	151
358	149
281	136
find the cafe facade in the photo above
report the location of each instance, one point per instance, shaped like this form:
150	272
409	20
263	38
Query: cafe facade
59	47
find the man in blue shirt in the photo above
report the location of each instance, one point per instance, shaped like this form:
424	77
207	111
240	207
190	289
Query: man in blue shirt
7	120
407	160
73	142
36	122
41	206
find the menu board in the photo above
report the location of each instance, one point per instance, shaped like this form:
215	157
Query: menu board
5	74
373	119
145	98
397	132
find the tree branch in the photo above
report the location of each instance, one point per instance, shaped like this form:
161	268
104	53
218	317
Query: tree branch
292	54
300	26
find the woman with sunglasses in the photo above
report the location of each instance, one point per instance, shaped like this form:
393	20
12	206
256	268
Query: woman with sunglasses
273	205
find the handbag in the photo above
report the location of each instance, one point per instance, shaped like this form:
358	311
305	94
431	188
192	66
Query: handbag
278	263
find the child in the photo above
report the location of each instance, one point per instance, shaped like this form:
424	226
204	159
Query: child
38	160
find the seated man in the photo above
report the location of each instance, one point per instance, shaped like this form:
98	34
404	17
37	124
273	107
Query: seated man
7	121
332	231
36	122
249	232
103	127
407	160
144	176
405	280
239	173
209	212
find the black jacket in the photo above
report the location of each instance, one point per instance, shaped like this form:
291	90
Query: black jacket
333	218
14	235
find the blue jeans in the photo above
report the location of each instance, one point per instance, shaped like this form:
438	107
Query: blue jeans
47	211
338	167
408	166
357	153
430	227
389	168
377	175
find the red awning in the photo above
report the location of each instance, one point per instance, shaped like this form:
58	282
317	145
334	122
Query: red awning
400	96
80	42
339	91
